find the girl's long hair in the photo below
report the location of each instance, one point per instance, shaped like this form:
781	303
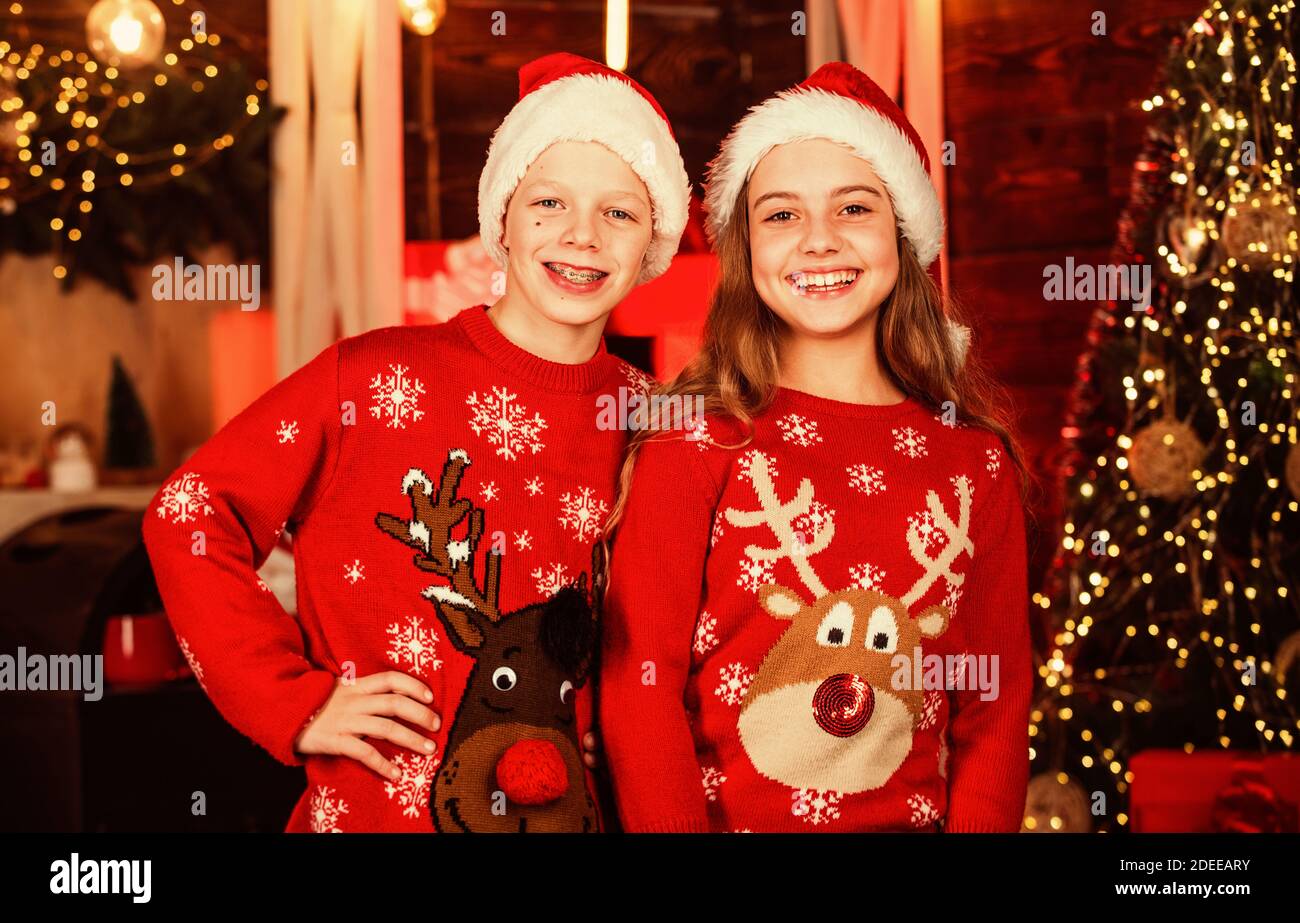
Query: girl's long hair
736	369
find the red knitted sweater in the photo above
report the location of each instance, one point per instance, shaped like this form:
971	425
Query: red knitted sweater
784	625
370	456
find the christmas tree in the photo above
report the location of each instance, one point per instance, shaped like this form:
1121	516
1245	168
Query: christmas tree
1172	599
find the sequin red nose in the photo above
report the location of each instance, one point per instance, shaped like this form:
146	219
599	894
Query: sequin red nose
843	703
532	772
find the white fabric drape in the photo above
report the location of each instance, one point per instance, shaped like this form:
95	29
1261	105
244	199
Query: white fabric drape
899	44
337	179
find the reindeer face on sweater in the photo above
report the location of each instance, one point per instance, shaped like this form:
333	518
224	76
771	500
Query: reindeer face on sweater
822	712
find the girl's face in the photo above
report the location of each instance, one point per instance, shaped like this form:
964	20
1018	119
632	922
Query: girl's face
822	238
576	228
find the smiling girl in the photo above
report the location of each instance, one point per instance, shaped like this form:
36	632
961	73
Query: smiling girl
444	486
817	614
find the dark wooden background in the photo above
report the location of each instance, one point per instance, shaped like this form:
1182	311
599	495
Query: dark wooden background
1043	113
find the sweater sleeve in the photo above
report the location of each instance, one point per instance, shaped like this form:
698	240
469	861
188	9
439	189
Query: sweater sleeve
214	523
656	582
989	771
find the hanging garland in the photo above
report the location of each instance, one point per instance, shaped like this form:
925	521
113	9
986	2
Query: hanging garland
148	142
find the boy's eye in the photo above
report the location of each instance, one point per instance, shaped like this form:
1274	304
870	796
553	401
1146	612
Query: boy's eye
504	679
620	214
548	203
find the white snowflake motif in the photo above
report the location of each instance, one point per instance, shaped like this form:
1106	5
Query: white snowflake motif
288	432
195	667
507	424
551	579
413	644
799	430
488	491
746	471
697	431
354	571
638	379
326	810
994	462
866	479
733	683
395	398
909	442
412	788
712	779
815	807
705	639
754	574
924	813
868	576
184	499
523	541
717	529
932	537
808	526
930	709
534	487
951	598
582	513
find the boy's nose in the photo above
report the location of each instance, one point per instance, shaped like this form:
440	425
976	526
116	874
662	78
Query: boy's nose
842	704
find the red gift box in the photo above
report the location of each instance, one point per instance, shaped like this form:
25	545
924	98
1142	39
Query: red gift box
1222	791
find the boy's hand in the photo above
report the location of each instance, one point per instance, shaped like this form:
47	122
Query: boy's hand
353	713
591	750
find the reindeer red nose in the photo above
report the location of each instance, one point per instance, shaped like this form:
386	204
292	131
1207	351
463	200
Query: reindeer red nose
532	772
843	703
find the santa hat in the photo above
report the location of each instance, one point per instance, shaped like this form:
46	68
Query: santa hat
840	103
564	97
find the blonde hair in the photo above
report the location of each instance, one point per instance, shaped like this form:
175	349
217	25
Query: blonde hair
736	369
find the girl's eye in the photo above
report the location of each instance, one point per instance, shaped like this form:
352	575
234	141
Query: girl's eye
504	679
861	209
777	215
566	692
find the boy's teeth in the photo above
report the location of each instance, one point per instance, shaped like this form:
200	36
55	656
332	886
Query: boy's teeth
579	276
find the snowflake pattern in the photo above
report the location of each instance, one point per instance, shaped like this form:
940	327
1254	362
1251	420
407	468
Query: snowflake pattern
288	432
326	810
930	709
583	513
534	486
868	576
637	379
815	807
488	491
712	779
697	431
755	574
717	529
551	579
810	524
865	478
195	667
733	683
184	499
994	462
927	530
799	430
506	423
951	598
746	471
412	788
523	541
395	398
413	644
705	638
924	813
909	442
354	571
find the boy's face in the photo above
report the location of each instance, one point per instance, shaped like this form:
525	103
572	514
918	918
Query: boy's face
822	237
576	229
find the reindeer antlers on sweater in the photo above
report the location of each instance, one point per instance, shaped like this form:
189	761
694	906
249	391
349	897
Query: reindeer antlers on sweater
958	535
780	517
429	532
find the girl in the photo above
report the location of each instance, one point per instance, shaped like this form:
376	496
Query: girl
816	616
444	486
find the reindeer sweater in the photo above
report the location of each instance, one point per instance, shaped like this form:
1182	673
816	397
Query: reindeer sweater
785	625
371	433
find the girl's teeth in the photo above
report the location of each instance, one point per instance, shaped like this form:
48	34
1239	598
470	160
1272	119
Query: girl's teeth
823	281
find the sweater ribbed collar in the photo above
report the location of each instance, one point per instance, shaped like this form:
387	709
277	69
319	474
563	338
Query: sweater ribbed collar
579	378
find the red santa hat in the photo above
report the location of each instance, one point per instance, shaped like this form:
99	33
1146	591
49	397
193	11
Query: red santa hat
564	97
839	103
